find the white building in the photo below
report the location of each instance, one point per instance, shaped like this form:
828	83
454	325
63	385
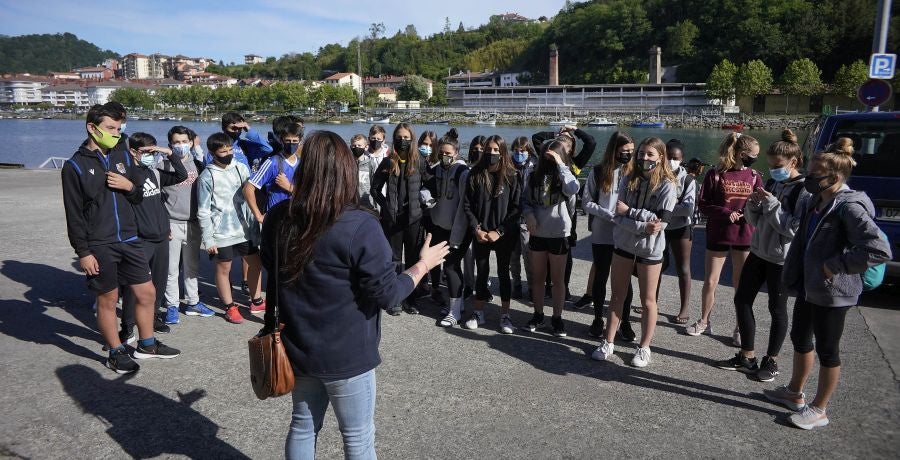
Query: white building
64	95
625	97
24	89
137	66
391	82
253	59
345	79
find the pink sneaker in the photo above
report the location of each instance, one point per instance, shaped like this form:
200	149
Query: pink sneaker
258	309
233	315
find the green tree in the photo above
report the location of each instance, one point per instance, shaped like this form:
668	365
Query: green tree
849	78
133	98
753	79
720	84
371	97
680	39
802	78
376	30
414	88
439	95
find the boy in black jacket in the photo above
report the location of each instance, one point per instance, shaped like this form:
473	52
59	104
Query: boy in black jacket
99	187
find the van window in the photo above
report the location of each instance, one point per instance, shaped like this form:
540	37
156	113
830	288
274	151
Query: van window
876	144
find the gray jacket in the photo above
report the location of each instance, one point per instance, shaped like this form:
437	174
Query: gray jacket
686	199
776	220
601	205
181	198
448	212
552	212
645	205
366	170
846	240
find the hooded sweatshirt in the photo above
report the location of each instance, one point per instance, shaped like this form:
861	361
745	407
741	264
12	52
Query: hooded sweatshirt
152	215
447	187
775	219
181	198
644	205
725	192
601	205
845	238
686	193
366	167
553	211
225	219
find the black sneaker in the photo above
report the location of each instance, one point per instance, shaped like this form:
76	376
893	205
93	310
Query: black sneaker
157	350
160	326
127	335
410	306
596	328
569	297
467	292
739	363
536	321
559	328
768	369
584	301
244	288
121	363
517	291
626	333
395	310
437	297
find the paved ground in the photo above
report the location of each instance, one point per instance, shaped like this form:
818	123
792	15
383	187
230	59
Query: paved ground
441	393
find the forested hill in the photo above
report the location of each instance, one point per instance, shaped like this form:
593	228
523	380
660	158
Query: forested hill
39	54
607	41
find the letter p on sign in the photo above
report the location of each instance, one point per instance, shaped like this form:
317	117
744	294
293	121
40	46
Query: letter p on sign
882	66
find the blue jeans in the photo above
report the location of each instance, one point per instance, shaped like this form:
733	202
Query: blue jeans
354	408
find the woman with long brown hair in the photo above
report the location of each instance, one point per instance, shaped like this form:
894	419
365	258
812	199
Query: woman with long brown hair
401	209
491	204
646	199
336	276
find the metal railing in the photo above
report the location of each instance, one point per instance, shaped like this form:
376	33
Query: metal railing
54	162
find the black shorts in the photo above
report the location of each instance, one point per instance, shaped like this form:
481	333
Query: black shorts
555	246
635	258
120	264
683	233
236	250
725	247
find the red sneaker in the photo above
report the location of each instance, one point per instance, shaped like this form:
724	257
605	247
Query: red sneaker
232	315
258	309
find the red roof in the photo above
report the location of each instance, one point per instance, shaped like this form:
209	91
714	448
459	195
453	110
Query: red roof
339	76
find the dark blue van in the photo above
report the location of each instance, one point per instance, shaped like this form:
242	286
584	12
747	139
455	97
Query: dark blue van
876	143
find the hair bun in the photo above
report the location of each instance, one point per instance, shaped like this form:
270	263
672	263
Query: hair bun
842	146
453	134
788	136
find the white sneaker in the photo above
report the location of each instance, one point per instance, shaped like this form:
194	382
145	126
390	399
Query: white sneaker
641	357
449	321
506	325
736	337
477	319
698	328
604	351
808	418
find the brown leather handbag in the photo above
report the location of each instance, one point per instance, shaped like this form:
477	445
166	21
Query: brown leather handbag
271	373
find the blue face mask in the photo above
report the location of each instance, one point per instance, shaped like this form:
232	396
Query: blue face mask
290	149
148	159
780	174
520	157
181	150
425	150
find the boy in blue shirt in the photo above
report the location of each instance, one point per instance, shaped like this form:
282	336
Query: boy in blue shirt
249	147
276	175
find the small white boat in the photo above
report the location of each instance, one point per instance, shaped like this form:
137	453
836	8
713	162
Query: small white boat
486	122
381	121
563	122
360	120
600	121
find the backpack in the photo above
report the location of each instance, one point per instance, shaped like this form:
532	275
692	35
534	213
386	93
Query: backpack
874	276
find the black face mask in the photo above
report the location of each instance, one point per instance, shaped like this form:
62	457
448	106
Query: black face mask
748	161
226	160
374	144
357	151
402	145
646	165
234	135
494	159
811	184
623	158
474	155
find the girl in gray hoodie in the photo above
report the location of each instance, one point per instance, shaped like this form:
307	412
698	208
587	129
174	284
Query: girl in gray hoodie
646	199
836	241
772	210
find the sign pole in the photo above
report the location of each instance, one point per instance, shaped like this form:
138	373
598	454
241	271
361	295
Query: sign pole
882	25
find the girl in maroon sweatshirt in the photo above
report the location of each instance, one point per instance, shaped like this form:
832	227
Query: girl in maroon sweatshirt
722	198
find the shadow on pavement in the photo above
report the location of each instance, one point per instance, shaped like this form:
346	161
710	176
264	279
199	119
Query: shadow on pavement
146	424
27	320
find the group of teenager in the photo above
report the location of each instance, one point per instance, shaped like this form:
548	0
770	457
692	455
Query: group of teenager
138	213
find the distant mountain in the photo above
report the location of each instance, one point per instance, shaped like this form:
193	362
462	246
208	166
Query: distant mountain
44	53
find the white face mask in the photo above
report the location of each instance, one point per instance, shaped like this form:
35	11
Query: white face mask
675	164
182	150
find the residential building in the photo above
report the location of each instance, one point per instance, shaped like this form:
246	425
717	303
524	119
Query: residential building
65	95
64	76
253	59
386	95
392	82
160	66
94	73
137	66
484	79
345	79
22	89
510	17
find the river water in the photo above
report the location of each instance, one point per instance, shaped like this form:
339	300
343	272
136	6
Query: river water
30	142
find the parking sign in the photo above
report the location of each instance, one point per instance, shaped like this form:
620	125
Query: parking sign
882	66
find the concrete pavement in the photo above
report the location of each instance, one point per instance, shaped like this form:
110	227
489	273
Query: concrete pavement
442	393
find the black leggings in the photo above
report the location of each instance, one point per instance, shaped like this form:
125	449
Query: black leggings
453	267
158	256
755	272
438	235
825	323
678	242
406	242
503	248
603	254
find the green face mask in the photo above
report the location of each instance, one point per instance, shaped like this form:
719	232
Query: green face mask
104	139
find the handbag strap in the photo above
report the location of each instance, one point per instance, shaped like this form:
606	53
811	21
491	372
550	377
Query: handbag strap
272	307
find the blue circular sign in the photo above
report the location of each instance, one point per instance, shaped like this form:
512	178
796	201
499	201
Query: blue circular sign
874	92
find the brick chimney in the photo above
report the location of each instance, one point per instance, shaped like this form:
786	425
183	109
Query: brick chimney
655	65
554	66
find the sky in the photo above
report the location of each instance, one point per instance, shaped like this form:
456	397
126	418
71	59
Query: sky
227	30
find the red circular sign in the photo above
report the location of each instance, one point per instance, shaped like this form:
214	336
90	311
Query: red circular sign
874	92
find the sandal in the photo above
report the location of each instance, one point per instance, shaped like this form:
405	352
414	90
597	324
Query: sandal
679	320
